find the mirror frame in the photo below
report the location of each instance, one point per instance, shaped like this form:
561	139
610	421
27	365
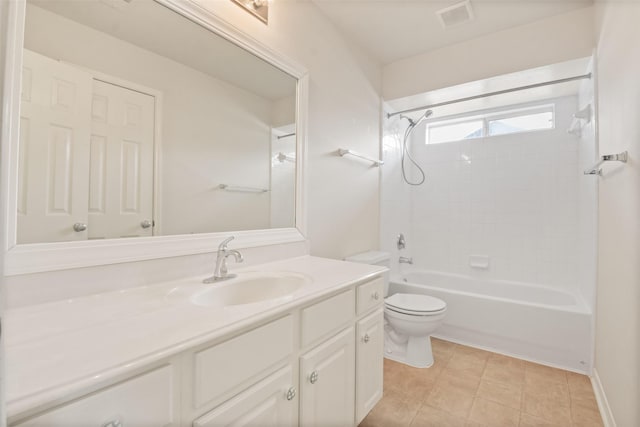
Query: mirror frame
40	257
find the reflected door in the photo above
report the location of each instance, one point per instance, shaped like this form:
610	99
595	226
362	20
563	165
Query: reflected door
54	151
121	164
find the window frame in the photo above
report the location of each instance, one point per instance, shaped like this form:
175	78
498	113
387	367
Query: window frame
488	117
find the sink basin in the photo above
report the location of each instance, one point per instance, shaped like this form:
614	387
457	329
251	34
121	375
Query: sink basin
250	288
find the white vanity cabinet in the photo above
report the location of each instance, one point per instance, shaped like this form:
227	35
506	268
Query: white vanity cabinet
315	364
146	400
270	403
327	375
369	362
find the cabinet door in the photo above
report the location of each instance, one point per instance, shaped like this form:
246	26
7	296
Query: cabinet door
271	402
327	382
369	363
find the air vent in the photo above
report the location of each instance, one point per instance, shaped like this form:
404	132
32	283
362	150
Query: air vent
456	14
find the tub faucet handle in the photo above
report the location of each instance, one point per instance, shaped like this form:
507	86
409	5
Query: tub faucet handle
401	243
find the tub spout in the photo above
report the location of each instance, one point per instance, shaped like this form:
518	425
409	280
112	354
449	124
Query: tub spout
405	260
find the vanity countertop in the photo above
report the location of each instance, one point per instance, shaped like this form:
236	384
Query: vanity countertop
64	347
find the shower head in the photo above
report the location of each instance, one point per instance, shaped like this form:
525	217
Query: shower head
414	123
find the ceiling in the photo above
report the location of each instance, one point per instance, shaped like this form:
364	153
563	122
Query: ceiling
390	30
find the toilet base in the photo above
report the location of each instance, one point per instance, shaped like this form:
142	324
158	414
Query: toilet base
416	351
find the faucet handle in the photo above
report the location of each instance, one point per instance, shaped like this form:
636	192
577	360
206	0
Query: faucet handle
224	243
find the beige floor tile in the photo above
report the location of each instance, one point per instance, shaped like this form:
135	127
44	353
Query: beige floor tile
406	380
558	392
546	408
585	413
580	387
429	416
493	414
504	369
475	388
527	420
454	400
507	394
467	364
393	410
463	383
539	373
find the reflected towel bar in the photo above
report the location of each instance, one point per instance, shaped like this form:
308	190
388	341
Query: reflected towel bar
343	152
241	189
596	170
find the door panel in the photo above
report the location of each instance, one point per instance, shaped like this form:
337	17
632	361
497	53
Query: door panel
54	150
121	175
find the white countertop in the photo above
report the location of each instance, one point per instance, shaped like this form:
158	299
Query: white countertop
56	349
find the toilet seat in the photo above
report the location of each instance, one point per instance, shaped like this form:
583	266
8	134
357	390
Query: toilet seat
416	305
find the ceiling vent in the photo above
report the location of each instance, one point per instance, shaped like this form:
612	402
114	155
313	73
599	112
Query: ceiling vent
456	14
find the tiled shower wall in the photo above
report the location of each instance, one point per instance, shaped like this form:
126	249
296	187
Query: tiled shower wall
513	198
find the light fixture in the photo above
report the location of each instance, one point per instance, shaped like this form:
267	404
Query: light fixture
258	8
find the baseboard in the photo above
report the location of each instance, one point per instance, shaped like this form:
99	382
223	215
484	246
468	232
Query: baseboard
601	398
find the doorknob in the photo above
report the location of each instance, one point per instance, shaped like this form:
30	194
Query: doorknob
146	223
79	226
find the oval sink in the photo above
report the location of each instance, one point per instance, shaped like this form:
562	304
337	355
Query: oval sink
250	288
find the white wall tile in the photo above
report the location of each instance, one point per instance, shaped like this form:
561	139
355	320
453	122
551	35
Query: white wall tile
515	198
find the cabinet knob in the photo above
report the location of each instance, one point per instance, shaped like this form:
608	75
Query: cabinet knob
376	296
113	423
313	377
366	338
146	223
291	393
79	226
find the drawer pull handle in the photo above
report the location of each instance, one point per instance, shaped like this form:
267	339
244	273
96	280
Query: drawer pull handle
376	296
313	377
113	423
366	338
291	393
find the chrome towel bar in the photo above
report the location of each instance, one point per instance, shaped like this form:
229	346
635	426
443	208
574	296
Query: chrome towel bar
344	152
596	170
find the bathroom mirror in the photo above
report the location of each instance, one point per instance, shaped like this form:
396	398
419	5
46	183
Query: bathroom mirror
127	130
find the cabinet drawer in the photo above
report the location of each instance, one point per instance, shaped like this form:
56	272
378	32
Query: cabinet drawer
146	400
327	316
233	365
370	294
270	403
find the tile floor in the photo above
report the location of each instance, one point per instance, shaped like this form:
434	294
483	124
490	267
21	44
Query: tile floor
468	387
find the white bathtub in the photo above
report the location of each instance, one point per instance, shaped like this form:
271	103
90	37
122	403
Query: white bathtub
532	322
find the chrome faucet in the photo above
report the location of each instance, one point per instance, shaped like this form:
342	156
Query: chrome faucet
221	272
405	260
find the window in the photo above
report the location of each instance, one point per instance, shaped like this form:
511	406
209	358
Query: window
493	124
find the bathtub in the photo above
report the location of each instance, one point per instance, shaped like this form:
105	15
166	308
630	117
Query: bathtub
532	322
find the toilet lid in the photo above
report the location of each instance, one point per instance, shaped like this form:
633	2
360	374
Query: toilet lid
415	303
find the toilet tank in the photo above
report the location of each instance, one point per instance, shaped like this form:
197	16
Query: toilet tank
374	258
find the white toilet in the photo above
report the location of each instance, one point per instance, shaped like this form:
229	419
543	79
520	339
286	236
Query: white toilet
410	319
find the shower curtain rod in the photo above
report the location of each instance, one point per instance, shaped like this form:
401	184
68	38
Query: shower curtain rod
485	95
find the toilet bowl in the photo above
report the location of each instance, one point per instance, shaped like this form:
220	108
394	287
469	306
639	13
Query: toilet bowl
410	319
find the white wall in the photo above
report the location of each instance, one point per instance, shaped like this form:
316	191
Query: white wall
513	198
212	132
555	39
617	358
344	109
